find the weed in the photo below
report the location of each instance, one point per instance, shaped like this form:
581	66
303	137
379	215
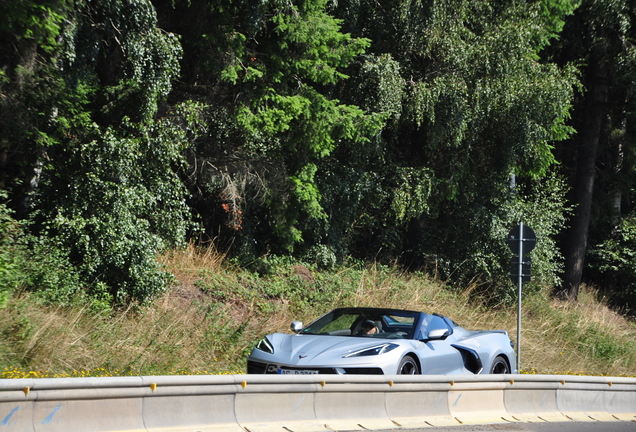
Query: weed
210	320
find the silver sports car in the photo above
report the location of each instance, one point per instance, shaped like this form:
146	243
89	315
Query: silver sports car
382	341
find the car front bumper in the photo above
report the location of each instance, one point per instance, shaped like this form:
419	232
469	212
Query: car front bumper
258	367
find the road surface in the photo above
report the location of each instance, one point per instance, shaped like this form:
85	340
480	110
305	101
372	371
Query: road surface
618	426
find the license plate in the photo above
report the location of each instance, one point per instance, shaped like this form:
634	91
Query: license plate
296	372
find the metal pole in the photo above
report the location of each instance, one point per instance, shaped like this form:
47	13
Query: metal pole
520	283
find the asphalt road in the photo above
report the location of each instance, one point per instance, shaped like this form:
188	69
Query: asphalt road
539	427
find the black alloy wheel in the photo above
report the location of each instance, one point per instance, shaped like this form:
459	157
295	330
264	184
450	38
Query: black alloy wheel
499	366
408	366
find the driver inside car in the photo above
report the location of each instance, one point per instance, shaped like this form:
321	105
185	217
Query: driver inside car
368	328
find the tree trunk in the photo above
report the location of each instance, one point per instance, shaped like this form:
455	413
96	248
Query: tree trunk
576	241
4	149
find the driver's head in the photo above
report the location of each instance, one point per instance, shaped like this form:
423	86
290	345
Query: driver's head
368	327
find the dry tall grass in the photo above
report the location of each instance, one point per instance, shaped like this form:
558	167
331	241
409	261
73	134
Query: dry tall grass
213	316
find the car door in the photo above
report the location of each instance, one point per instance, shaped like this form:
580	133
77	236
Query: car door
438	356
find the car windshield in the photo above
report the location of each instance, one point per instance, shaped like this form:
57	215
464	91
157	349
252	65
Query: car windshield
363	322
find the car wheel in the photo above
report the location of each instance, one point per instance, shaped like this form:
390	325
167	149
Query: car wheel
408	366
499	366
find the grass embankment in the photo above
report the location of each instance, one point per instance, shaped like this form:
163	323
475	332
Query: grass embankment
215	314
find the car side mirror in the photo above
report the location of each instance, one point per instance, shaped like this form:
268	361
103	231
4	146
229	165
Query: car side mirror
437	334
296	326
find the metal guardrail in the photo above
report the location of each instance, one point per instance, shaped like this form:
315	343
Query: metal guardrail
310	403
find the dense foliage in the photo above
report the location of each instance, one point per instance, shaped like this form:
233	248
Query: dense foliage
614	264
323	130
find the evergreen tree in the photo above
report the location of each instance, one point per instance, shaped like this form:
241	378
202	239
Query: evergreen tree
267	73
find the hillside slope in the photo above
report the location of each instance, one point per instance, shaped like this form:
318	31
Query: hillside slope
213	316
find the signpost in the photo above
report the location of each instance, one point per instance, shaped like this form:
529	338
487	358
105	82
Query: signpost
521	240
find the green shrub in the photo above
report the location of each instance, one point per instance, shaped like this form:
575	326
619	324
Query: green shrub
38	265
475	254
322	256
615	261
47	272
602	345
9	256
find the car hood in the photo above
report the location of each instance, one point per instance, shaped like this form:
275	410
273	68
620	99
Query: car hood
301	349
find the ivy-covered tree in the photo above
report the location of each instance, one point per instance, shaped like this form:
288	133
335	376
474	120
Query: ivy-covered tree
93	160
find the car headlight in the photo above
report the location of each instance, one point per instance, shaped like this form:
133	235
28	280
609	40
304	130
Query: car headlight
376	350
265	345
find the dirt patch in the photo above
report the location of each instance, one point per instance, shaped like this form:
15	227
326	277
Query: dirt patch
303	272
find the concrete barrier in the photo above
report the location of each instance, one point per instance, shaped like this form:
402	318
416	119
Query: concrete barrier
478	402
190	404
16	405
419	404
86	404
620	399
341	406
583	401
310	403
530	401
267	408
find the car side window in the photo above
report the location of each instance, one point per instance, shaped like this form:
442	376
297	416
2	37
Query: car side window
436	323
431	322
340	325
